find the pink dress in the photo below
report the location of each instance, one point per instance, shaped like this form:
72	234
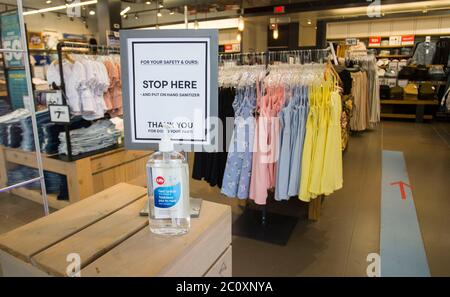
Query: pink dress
267	136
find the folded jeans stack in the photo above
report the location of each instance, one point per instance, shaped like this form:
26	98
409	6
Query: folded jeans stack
4	107
54	183
101	134
10	128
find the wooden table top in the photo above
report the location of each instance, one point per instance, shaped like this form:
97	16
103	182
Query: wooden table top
112	239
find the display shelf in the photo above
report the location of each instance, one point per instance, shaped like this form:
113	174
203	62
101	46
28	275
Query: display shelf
433	82
84	176
409	102
36	196
389	46
404	116
393	56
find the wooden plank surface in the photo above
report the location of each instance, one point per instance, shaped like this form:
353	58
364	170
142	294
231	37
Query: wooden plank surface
104	162
410	102
3	168
36	196
25	158
404	116
93	241
146	254
79	180
33	238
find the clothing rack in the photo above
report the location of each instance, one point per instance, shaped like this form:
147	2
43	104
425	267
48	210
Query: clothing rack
82	48
303	56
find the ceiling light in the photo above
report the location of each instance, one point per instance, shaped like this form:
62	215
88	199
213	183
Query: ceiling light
161	6
172	12
425	10
136	16
239	37
127	9
275	33
196	25
148	2
92	12
159	14
309	22
125	16
60	7
48	1
241	24
157	27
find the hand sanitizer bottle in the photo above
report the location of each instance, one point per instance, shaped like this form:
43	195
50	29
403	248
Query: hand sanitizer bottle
168	190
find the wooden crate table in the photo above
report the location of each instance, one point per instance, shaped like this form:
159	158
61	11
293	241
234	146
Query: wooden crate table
111	239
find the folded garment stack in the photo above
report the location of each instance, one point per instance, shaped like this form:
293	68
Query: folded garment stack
99	135
27	143
10	128
4	107
54	183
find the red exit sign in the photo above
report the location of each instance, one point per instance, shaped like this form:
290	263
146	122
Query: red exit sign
278	9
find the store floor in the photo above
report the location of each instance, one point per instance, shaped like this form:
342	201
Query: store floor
349	227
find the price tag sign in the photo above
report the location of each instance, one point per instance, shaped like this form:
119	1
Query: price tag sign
53	98
59	114
351	41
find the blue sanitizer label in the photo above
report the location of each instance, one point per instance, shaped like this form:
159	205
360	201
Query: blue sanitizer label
167	193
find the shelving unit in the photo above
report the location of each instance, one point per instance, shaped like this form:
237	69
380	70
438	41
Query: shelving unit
393	56
420	109
85	176
389	46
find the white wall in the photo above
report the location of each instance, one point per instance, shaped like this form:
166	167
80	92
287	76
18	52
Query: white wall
254	37
387	27
50	22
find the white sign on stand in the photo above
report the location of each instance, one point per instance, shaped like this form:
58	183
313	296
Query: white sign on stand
59	113
169	79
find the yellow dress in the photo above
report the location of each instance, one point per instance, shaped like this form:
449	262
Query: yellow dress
315	188
332	169
307	147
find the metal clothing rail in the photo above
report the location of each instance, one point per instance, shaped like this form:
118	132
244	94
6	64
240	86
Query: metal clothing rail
77	47
304	56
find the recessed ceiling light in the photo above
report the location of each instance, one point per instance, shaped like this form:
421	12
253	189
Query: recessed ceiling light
148	2
125	10
172	12
159	14
309	22
92	12
136	16
48	1
161	6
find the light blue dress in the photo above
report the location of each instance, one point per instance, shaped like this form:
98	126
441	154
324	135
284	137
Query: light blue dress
293	127
298	131
238	170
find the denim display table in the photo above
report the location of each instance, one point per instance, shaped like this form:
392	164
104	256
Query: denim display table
109	237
